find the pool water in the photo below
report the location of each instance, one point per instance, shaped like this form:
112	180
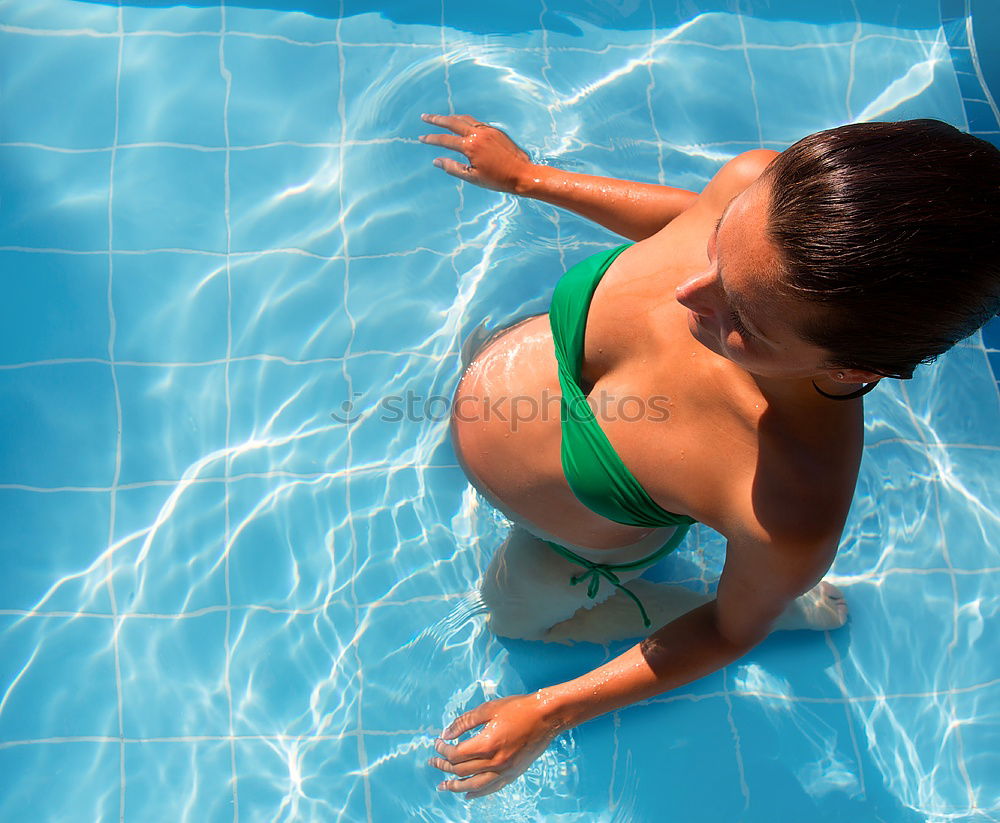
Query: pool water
221	238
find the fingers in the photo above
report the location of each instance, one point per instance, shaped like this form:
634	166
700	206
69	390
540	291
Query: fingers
462	171
461	124
448	141
475	717
472	784
463	769
472	749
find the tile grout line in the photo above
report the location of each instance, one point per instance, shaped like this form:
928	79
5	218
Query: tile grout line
649	94
227	76
852	61
342	115
838	665
546	65
459	209
974	56
753	80
113	491
727	696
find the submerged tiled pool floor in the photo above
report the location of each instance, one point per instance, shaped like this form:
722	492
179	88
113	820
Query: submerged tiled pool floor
217	603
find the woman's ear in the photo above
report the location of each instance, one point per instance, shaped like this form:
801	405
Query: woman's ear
853	376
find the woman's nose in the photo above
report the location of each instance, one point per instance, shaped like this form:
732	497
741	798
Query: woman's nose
696	293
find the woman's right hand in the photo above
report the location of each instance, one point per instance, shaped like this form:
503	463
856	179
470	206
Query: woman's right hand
494	160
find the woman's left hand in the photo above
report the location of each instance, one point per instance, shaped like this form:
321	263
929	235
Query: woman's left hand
516	732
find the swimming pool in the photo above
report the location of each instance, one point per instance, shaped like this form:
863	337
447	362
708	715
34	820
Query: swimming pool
219	603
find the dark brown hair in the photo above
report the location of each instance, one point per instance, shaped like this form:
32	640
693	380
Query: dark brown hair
895	227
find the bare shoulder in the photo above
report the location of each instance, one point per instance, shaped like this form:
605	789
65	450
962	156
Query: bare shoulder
735	176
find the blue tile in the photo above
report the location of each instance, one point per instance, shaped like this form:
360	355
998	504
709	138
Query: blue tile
400	760
169	308
920	14
173	422
156	525
58	424
171	18
691	724
991	334
414	316
284	552
64	670
196	85
392	534
693	111
405	82
800	762
53	14
511	17
395	403
310	21
173	676
303	78
791	101
981	117
889	604
970	87
994	358
169	198
294	674
166	781
322	778
888	526
377	222
952	8
55	200
876	95
433	688
289	305
47	100
978	721
50	540
66	783
954	399
56	306
286	197
969	499
927	730
282	421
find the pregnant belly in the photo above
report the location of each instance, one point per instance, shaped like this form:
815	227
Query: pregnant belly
505	427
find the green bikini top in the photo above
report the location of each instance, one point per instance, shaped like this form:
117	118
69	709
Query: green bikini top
594	471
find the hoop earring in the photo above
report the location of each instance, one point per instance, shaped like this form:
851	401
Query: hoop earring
854	394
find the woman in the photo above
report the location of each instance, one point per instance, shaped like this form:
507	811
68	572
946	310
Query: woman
746	322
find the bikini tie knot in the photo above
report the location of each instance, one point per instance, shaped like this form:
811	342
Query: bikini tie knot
593	575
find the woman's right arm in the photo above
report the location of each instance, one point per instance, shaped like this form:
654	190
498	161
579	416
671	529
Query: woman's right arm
633	210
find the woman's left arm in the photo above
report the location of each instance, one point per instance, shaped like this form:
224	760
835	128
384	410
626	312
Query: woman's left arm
758	581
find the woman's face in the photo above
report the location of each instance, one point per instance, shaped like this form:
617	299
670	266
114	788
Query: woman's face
735	308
